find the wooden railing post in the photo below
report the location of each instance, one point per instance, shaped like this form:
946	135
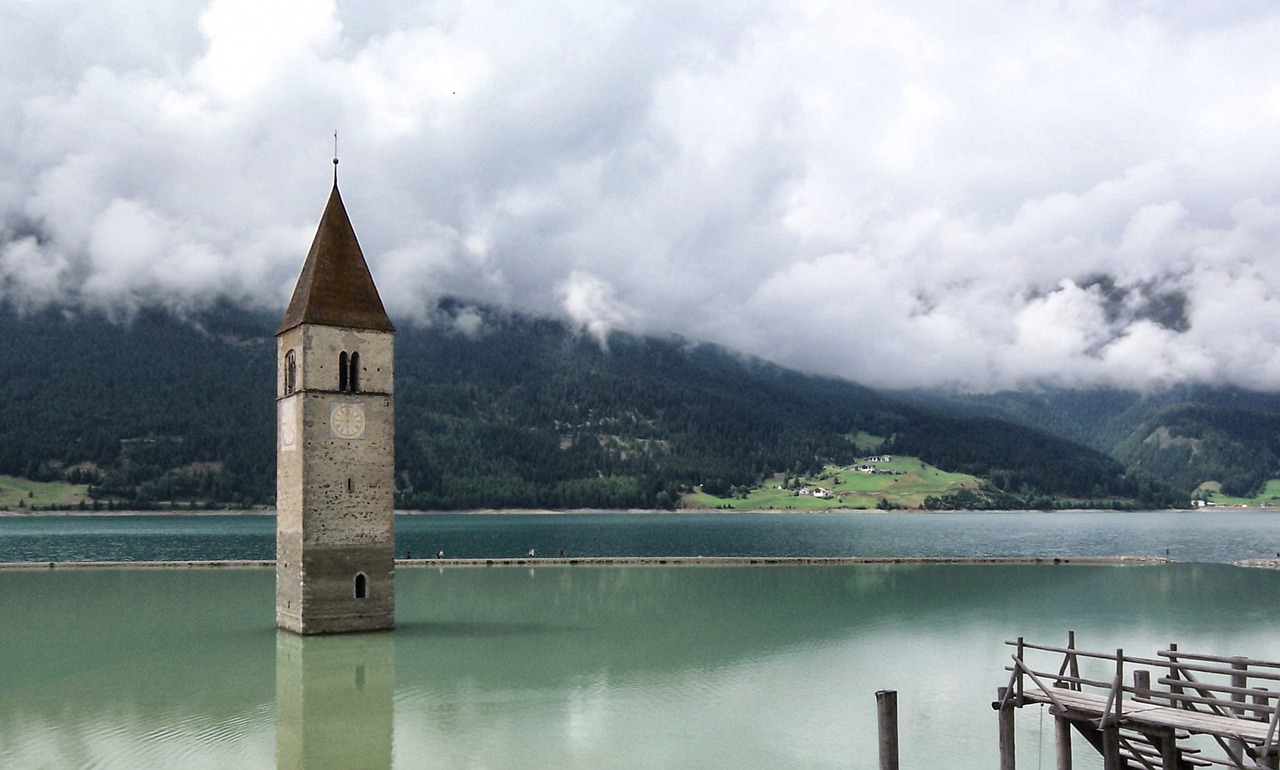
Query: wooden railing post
1175	690
1240	680
1075	662
1119	685
1018	687
1142	684
1262	703
1008	755
887	721
1111	720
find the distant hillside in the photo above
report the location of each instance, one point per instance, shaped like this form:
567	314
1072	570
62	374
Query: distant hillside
1186	436
150	410
518	412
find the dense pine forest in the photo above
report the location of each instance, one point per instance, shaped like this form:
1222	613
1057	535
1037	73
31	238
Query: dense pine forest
494	410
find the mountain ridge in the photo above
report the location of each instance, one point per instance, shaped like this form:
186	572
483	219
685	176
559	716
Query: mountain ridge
1189	435
495	409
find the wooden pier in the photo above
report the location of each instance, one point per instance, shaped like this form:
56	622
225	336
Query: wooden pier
1201	710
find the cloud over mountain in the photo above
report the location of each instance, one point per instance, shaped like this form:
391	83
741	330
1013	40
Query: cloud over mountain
984	194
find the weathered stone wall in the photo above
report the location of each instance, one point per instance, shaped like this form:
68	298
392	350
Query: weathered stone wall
289	457
335	485
329	601
347	482
322	346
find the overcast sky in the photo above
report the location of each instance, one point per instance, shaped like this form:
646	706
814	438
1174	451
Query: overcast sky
900	192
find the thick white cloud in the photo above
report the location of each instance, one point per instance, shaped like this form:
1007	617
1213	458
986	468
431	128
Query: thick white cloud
592	306
986	194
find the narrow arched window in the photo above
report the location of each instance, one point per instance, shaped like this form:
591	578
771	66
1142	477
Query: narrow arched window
342	372
290	373
354	379
362	586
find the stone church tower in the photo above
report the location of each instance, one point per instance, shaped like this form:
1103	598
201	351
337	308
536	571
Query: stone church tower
335	537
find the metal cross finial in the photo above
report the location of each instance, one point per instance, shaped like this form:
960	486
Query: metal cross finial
335	156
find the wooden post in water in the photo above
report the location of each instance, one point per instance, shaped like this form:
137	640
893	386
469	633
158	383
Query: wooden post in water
1062	736
1167	742
1008	757
1111	747
1270	760
887	720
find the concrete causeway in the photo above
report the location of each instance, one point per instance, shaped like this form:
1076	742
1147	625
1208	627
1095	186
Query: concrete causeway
708	561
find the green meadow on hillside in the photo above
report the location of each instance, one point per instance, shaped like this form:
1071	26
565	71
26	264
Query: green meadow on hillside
1269	497
18	494
902	482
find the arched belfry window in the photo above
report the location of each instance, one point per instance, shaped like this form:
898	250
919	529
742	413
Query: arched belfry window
349	373
290	373
362	586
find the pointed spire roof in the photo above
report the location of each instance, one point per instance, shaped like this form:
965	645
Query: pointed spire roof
335	287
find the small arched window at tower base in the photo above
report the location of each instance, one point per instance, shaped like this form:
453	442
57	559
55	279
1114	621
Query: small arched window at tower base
362	586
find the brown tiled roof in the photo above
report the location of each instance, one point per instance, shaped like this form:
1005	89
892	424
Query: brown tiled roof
335	287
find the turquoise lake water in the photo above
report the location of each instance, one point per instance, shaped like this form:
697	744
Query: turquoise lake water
589	666
1221	536
577	667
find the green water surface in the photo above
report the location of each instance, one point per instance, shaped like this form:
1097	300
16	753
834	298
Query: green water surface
577	666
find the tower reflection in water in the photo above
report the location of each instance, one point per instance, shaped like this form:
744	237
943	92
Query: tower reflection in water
334	701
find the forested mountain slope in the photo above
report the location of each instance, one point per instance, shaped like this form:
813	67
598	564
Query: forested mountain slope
1186	435
494	409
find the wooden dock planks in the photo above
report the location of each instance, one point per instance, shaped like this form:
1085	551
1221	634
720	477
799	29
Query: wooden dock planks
1139	714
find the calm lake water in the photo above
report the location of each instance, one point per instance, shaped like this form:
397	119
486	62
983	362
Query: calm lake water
577	667
590	666
1225	536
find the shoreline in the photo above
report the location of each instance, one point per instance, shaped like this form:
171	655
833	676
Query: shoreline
627	561
270	512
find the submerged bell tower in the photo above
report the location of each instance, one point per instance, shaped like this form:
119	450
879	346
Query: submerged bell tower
335	424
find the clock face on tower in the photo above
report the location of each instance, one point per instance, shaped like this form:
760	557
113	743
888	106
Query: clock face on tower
346	420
